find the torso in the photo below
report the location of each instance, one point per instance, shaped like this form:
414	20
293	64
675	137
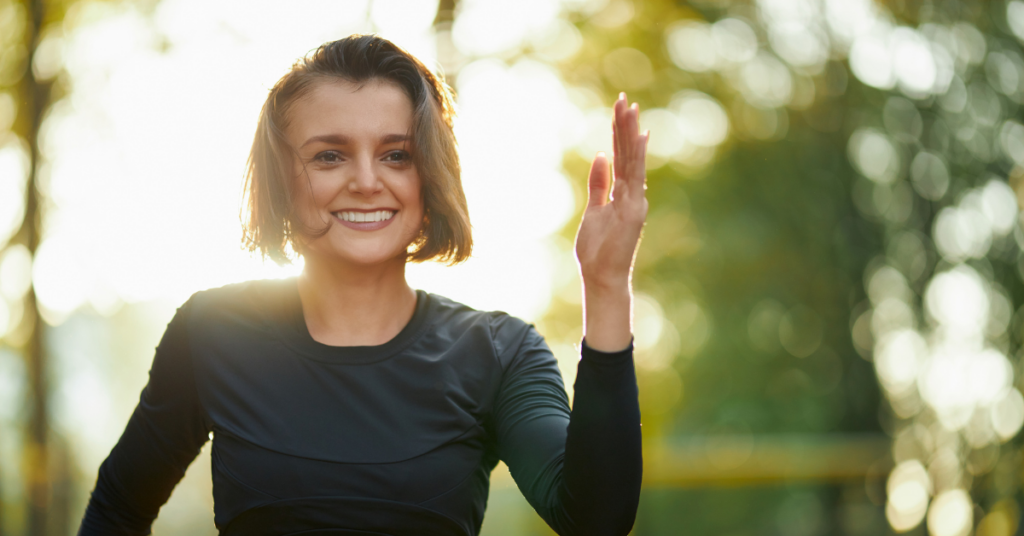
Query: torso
403	425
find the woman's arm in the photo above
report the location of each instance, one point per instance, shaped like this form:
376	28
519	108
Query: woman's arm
582	474
607	239
163	436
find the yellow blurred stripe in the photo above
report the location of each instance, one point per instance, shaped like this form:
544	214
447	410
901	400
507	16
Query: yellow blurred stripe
703	461
753	460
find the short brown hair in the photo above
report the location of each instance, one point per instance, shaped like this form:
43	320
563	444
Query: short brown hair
271	226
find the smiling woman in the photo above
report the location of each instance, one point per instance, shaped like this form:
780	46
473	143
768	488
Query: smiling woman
309	124
345	402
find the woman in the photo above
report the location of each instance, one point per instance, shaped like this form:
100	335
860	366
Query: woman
345	402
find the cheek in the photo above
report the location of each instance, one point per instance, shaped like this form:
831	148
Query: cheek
305	197
414	195
301	200
412	201
311	190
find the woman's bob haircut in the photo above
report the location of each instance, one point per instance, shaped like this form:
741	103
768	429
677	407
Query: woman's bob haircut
271	225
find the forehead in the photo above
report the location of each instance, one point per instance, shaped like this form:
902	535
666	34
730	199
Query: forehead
372	108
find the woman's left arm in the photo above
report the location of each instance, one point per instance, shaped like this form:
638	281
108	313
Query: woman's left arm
603	462
584	476
580	471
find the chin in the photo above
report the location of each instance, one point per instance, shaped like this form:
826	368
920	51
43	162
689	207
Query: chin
362	258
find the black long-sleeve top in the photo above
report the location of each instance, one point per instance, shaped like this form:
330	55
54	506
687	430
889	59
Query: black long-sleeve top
395	439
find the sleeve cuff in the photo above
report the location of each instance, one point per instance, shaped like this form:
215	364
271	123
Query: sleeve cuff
590	354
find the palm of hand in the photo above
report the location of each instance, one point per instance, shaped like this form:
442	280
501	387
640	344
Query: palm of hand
608	236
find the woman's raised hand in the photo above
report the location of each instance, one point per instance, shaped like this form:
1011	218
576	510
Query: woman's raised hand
608	236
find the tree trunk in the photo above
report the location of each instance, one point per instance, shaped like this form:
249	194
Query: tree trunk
447	55
35	96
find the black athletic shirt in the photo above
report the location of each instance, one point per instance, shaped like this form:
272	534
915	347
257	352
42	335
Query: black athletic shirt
397	439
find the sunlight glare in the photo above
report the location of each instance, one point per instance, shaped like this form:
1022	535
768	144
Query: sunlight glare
486	27
515	202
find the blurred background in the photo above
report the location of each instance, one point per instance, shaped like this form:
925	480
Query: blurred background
829	289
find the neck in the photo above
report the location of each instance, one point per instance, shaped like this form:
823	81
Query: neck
355	305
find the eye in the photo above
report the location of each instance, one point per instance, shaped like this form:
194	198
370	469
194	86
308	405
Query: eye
328	157
400	157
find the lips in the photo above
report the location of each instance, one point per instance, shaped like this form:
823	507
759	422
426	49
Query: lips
360	217
365	220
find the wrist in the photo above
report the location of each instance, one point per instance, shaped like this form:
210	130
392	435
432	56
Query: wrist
587	349
608	300
616	286
607	315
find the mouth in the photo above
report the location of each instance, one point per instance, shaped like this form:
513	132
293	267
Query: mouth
365	217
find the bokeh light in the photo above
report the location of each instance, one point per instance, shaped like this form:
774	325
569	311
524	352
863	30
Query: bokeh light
908	492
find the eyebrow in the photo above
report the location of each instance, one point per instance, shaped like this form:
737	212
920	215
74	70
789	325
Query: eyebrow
339	139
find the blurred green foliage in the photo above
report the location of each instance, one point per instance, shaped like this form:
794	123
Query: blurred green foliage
767	243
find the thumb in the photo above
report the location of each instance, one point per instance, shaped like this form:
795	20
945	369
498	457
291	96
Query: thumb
599	182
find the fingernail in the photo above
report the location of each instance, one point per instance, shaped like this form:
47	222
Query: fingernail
622	95
635	106
600	154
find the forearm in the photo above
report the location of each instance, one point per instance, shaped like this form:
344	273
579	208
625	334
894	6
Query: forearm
603	465
580	469
607	315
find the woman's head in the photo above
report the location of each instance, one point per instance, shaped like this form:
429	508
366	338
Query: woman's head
361	63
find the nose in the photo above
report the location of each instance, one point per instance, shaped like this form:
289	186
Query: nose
364	179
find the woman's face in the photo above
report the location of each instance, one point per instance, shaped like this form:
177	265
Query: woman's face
354	171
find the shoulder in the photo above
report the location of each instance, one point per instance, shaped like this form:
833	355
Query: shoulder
507	333
260	300
245	293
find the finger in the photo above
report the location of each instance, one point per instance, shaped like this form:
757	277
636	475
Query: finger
627	123
615	147
619	188
618	130
599	181
632	126
627	130
639	164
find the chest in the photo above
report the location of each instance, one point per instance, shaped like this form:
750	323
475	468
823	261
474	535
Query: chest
258	389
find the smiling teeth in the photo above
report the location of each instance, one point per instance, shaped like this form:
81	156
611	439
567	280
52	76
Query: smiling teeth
366	217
